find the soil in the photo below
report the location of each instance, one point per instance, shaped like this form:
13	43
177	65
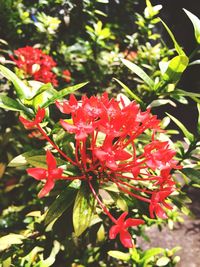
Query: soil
186	235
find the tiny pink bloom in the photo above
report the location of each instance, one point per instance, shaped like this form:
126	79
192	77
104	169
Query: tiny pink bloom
121	227
50	174
38	118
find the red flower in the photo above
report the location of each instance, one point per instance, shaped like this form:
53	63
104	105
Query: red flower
121	227
35	63
67	75
68	107
38	118
108	155
115	142
50	174
157	201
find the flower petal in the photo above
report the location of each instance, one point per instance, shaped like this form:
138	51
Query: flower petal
46	189
126	239
114	230
160	212
51	161
122	217
39	115
37	173
68	127
133	222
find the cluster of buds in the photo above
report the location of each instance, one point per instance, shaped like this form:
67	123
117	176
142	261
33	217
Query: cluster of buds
36	64
108	149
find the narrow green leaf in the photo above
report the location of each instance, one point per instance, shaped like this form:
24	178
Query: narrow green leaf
175	68
176	45
60	205
196	24
196	62
64	92
128	91
83	210
186	133
119	255
22	90
137	70
42	88
10	104
192	174
161	102
185	93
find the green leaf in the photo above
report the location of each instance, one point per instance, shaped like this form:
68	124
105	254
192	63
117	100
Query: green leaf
186	133
196	62
83	210
10	104
9	240
161	102
60	205
40	88
30	157
62	93
185	93
150	253
179	50
22	90
119	255
196	24
129	92
163	261
137	70
192	174
176	67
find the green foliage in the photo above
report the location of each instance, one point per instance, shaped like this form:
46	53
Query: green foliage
94	45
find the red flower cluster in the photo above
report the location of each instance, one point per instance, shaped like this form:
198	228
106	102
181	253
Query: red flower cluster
35	63
110	147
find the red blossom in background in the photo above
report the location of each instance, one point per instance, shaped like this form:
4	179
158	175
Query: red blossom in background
108	149
67	75
35	63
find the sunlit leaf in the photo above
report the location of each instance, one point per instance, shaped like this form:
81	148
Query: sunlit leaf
137	70
9	240
60	205
83	211
176	45
150	253
196	24
129	92
119	255
11	104
175	68
22	90
186	133
163	261
62	93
